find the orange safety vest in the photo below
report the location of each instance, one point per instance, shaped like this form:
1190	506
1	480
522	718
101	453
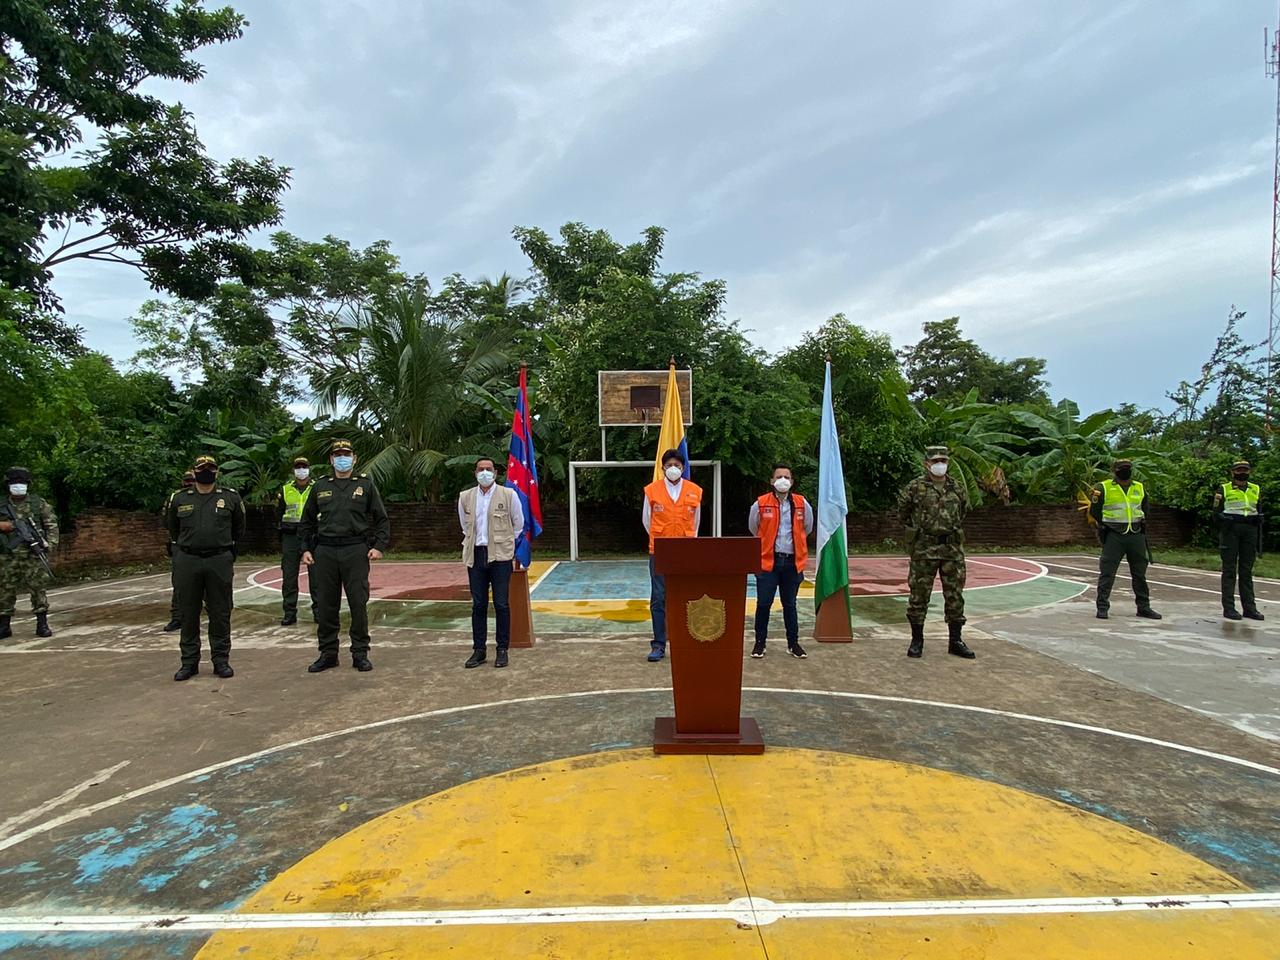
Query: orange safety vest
672	519
770	514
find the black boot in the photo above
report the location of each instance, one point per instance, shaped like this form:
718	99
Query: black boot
42	625
5	631
917	641
956	646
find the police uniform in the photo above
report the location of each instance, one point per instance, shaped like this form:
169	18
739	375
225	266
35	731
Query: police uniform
342	519
290	502
932	511
1119	506
206	529
1239	534
175	608
20	569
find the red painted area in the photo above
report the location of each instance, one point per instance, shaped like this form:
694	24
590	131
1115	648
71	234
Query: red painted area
876	576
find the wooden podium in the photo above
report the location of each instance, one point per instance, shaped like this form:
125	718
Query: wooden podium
706	611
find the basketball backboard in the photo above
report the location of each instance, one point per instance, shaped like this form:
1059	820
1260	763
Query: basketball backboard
635	398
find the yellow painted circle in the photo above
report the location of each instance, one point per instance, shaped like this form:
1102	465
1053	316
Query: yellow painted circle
792	826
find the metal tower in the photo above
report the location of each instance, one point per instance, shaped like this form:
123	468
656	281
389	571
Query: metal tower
1271	53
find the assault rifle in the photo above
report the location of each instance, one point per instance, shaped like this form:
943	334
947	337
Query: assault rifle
28	536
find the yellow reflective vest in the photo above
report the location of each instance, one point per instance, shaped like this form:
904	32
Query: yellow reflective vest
1120	507
1240	503
294	501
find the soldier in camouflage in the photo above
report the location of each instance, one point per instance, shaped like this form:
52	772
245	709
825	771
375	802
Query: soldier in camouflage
932	508
20	570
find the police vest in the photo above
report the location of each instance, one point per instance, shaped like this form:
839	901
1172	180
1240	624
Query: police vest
294	501
668	518
1240	503
1122	507
771	519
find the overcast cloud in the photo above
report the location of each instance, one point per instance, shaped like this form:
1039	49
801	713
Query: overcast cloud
1088	182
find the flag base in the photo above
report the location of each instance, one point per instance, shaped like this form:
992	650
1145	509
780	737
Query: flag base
832	623
521	610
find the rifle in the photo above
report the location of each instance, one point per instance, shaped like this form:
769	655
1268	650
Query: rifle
30	538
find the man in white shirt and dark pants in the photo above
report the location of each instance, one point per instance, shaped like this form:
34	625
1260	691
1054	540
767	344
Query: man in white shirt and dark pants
491	518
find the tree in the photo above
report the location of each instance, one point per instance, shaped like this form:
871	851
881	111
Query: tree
946	365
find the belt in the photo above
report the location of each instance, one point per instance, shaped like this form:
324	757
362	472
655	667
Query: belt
211	552
787	556
340	541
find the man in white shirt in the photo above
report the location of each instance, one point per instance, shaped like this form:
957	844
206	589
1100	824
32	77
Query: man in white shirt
672	508
491	519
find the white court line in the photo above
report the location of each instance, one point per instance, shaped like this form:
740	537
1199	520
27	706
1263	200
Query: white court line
159	785
1160	583
751	911
546	573
65	797
63	591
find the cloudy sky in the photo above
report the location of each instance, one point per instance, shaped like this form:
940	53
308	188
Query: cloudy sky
1089	181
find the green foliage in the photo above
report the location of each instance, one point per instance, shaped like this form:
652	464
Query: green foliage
255	462
978	440
946	366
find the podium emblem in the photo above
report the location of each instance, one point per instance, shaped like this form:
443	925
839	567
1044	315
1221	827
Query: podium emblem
705	618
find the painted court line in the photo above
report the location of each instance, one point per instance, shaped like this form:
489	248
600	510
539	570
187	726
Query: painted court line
754	911
65	797
546	573
87	811
1160	583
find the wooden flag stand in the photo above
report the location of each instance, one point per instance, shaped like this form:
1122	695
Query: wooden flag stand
521	609
832	623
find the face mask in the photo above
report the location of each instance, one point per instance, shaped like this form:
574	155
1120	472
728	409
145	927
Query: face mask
302	473
674	473
206	476
1124	473
938	469
18	489
344	464
1239	477
782	484
485	478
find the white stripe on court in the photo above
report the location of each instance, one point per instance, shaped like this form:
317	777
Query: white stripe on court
752	911
1158	583
102	776
546	573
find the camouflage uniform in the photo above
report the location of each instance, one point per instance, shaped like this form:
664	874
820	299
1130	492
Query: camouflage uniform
19	571
934	514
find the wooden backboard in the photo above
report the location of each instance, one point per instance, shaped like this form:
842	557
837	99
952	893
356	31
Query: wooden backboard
627	398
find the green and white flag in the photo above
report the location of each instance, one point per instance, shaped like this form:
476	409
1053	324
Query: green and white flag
833	548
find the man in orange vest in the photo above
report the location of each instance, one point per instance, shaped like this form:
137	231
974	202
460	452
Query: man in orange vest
782	520
672	508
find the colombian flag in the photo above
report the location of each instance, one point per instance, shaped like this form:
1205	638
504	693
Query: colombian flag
671	436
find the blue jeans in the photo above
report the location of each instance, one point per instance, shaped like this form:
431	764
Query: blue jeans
482	575
658	605
784	579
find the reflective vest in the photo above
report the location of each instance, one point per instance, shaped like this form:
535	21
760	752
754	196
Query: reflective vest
294	501
1122	507
1240	503
770	518
668	518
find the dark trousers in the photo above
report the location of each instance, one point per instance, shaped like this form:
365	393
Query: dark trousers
204	582
1238	544
175	607
290	561
339	570
483	576
784	580
658	605
1123	546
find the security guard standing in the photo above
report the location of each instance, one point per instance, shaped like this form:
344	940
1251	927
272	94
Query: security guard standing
19	569
1120	508
344	526
206	523
175	609
290	500
1239	532
932	508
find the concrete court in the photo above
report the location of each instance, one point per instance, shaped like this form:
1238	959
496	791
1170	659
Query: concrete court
1085	788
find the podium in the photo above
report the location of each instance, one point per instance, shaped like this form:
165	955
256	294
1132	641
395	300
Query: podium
706	610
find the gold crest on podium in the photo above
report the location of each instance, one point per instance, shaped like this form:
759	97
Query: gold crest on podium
705	618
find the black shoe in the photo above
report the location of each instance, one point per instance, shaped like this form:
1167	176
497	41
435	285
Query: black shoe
323	663
1253	615
186	673
477	657
1229	614
955	646
5	630
1103	615
917	641
501	659
363	664
1149	614
288	620
757	652
172	625
223	670
42	625
797	651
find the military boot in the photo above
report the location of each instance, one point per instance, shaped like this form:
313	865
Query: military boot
5	631
956	646
917	641
42	625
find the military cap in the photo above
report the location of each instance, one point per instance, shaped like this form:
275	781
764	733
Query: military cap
1241	465
338	446
937	453
1122	462
301	462
205	461
19	474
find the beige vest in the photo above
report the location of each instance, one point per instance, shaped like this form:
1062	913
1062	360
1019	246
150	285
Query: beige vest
502	533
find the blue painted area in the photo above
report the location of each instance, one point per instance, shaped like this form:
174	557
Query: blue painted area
29	866
1101	809
602	580
1234	845
57	945
619	745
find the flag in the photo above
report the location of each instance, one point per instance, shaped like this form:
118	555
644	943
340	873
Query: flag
522	474
832	576
671	436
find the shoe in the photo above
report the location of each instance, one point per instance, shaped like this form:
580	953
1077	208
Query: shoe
288	620
501	659
656	652
1230	614
477	657
223	670
172	625
757	652
186	673
797	651
5	630
1149	614
1253	615
1103	615
955	646
42	625
363	664
916	649
323	663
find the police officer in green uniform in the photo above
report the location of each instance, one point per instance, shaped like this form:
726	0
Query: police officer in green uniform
1119	506
344	526
1239	529
20	570
175	609
290	500
206	523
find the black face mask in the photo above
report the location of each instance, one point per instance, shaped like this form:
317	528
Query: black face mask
1240	477
206	476
1124	473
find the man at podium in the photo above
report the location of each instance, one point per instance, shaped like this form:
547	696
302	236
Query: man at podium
672	508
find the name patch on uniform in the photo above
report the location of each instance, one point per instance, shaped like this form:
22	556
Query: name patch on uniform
185	508
320	495
359	492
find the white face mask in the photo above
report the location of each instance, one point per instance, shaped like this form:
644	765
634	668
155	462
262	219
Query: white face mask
674	473
18	489
484	478
782	484
302	473
938	469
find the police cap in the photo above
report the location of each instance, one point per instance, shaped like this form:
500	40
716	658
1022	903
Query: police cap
341	446
205	461
1241	465
301	462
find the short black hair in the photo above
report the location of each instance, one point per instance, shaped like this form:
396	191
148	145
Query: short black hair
488	460
782	466
674	455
